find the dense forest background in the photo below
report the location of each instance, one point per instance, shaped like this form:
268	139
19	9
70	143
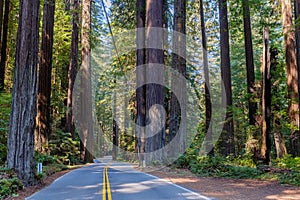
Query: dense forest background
253	46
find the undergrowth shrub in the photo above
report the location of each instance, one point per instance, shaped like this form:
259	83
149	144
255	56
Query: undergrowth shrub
9	183
64	148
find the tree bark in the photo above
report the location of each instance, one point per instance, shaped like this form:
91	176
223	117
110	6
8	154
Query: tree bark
208	108
43	120
292	75
227	135
73	67
155	132
297	38
249	63
140	79
20	155
86	86
3	40
178	84
266	101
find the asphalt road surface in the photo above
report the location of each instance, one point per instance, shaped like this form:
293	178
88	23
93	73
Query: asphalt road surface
115	181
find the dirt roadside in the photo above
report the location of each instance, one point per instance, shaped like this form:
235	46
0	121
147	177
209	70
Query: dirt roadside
230	189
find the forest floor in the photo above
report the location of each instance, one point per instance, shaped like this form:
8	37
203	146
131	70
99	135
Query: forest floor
228	188
219	188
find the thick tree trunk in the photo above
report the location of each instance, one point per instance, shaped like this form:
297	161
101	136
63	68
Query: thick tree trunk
154	74
178	84
208	108
227	135
249	63
86	117
297	38
20	155
43	125
292	75
3	37
73	67
140	79
266	101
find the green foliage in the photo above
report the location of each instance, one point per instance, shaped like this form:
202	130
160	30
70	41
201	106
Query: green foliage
64	148
5	102
9	183
46	159
289	162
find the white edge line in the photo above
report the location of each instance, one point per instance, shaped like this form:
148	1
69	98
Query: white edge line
178	186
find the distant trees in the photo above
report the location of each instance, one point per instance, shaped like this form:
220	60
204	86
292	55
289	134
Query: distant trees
20	144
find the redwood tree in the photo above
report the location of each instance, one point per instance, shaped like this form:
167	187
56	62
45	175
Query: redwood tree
3	58
227	135
73	67
178	84
20	144
86	119
292	74
208	104
140	78
154	74
249	63
266	100
43	127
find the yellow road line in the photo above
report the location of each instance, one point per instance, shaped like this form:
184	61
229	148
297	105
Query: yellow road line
106	185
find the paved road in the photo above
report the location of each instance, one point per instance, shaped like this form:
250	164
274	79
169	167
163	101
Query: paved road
125	184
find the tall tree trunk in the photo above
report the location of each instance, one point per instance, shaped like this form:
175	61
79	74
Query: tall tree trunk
2	68
266	101
4	44
115	135
43	125
178	84
249	63
155	132
292	74
297	38
73	67
1	17
208	108
281	150
227	135
86	86
20	155
140	79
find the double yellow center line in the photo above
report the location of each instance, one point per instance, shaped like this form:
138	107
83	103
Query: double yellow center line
106	186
